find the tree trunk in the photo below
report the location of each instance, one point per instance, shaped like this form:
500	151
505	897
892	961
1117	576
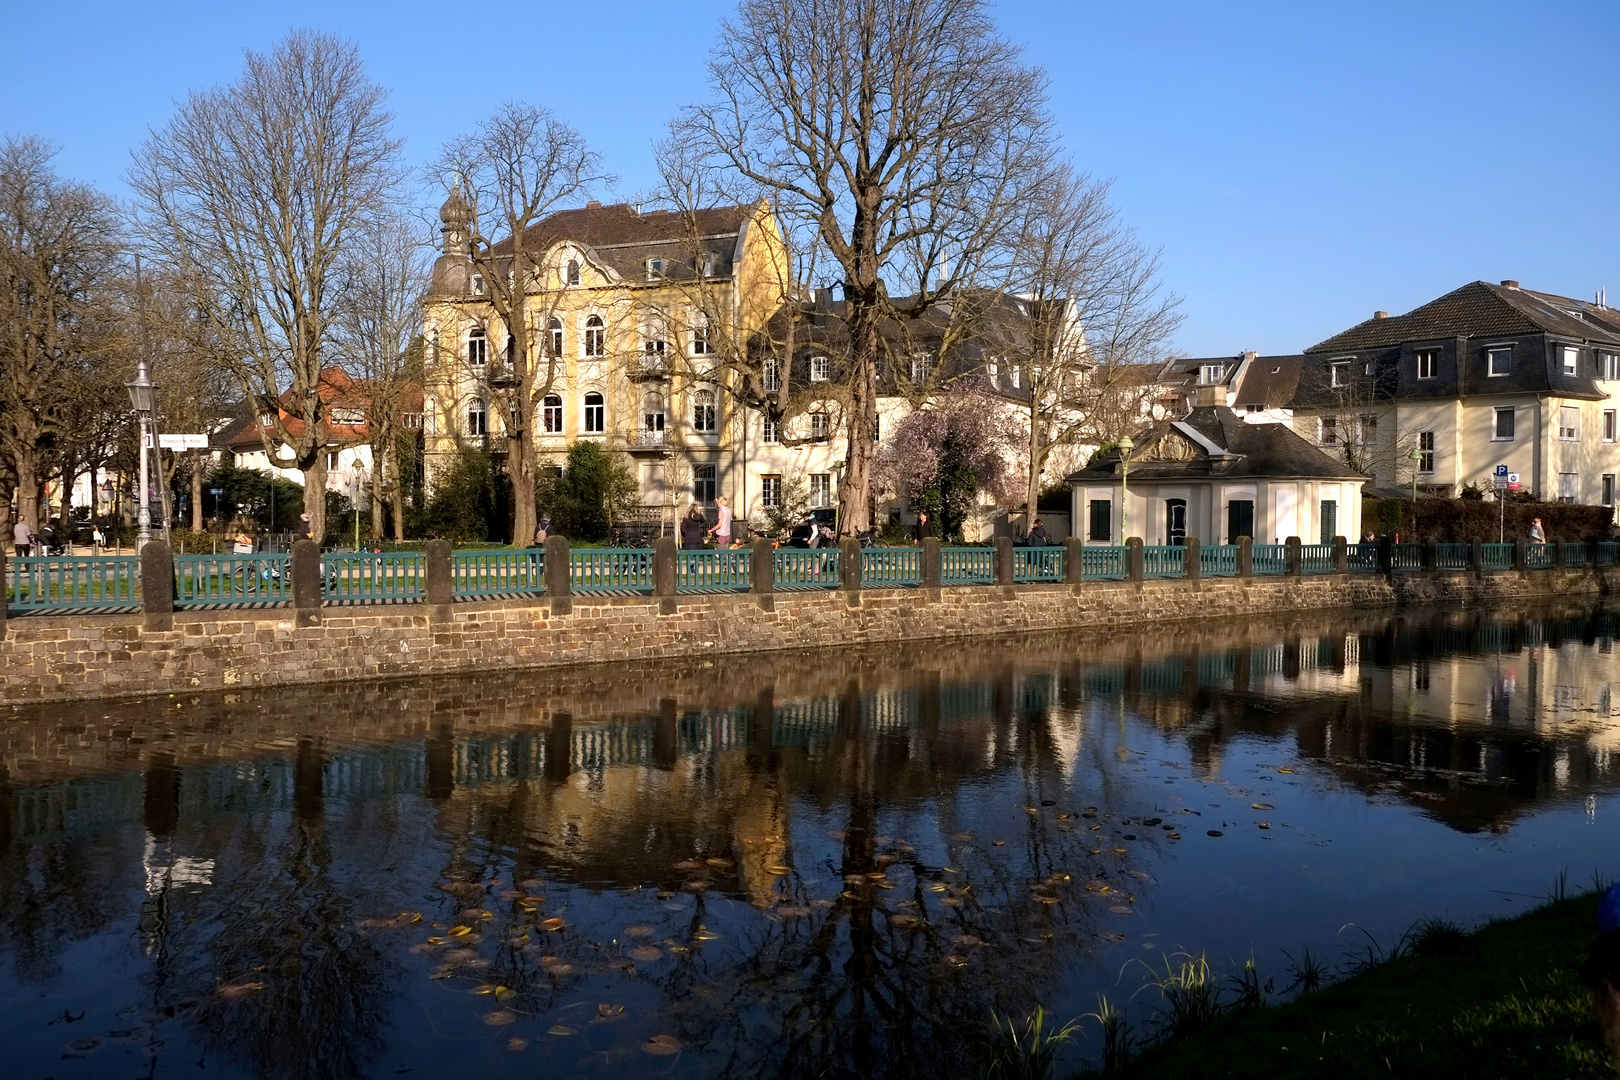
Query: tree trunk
1037	460
520	470
399	489
855	493
197	460
25	459
376	493
315	499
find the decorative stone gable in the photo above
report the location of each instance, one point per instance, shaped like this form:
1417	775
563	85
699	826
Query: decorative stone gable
1171	446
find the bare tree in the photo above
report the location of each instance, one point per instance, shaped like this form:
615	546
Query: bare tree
895	136
250	196
59	245
380	327
512	171
1090	314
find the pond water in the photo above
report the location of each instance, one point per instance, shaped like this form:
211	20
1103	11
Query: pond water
801	865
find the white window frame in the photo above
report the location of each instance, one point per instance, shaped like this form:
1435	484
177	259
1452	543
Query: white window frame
1608	365
1609	425
820	490
1608	489
1569	487
477	417
554	331
595	413
1570	358
1339	374
594	341
1571	431
655	269
703	412
571	272
769	433
1209	374
922	365
478	284
699	320
770	374
1495	353
1428	363
770	490
1426	452
820	368
551	415
480	357
1496	423
820	426
1327	431
705	482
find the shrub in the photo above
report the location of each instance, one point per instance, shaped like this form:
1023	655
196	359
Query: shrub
466	503
1461	520
594	488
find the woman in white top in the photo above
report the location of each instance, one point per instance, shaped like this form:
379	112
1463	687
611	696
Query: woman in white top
722	527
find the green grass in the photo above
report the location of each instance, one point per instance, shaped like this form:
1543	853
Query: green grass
1504	1001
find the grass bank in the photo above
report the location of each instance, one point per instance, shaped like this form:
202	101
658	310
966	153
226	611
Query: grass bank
1504	1001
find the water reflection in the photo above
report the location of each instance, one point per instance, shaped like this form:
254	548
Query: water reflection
802	865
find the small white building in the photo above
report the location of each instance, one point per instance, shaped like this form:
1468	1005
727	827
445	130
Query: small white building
1214	476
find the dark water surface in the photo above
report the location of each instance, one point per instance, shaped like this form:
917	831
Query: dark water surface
803	865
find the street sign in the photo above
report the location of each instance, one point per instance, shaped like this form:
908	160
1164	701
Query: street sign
183	442
1501	470
1513	481
216	491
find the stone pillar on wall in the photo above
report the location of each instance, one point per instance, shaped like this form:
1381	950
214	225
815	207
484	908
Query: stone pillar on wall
1004	560
1193	559
933	563
1296	557
849	569
1520	555
1133	559
1386	554
1476	555
664	571
306	583
1431	556
1341	555
762	573
2	591
1245	557
1074	566
1558	560
157	585
559	589
441	582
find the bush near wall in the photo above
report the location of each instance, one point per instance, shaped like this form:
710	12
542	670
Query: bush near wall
1461	520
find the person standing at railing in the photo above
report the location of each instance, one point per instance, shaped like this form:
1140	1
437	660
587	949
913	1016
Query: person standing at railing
1037	535
22	538
722	526
692	527
1538	535
924	529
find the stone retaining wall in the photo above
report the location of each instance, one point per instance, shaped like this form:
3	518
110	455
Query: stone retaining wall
63	658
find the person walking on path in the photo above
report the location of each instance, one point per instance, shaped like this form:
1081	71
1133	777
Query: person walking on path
542	530
1037	535
1538	535
692	527
924	529
22	538
722	526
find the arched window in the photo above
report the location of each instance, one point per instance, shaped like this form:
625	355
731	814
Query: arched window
551	415
652	339
703	410
477	417
478	284
572	273
477	347
595	414
595	337
700	332
555	329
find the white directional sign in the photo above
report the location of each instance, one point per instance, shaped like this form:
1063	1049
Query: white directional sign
183	442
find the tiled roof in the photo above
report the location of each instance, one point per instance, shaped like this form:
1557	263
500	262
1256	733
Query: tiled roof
1269	381
1245	450
625	239
1480	309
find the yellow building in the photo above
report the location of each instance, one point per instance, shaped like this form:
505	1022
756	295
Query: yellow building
633	316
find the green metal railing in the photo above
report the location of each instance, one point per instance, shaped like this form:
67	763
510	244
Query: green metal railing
806	568
1407	557
1498	556
1039	564
1451	556
373	577
704	570
1574	554
1538	556
507	572
263	578
1316	558
1363	558
967	565
611	570
1102	563
1269	558
1218	560
894	568
1606	553
1164	561
72	583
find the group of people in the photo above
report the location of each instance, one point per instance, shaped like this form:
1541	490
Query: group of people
25	541
695	529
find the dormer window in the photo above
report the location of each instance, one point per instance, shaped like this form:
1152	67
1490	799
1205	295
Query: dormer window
655	269
1210	374
1571	358
820	367
1339	373
1499	361
708	264
1428	362
571	273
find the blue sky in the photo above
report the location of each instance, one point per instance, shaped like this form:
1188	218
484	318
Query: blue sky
1299	164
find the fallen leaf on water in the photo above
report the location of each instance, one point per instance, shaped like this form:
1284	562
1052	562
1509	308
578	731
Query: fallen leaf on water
779	871
950	901
552	925
1285	770
956	961
1214	832
238	990
998	843
705	935
1120	909
1264	824
517	1045
663	1045
688	864
460	931
488	989
1119	851
638	930
1262	806
562	1029
504	993
647	952
81	1047
936	887
605	1011
1174	835
500	1017
724	864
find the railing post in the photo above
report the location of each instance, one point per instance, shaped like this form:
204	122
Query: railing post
762	573
1476	555
157	585
1431	556
1296	557
663	566
933	563
1521	555
1004	560
1591	564
1074	564
1192	559
441	580
559	588
1341	555
1386	554
1245	556
306	583
1558	560
1134	569
849	569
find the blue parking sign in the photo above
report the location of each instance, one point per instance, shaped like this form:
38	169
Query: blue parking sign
1501	470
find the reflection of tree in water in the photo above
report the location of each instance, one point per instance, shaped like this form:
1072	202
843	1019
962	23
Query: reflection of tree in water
870	957
285	983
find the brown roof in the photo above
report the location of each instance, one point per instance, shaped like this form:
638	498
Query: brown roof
1242	450
625	239
1480	309
1269	382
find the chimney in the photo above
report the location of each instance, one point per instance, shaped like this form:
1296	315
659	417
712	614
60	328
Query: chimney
1510	284
1207	397
593	205
1380	314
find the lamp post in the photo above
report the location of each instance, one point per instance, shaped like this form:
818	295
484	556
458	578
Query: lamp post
143	396
1126	445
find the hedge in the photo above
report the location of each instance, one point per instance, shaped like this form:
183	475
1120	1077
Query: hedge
1460	520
